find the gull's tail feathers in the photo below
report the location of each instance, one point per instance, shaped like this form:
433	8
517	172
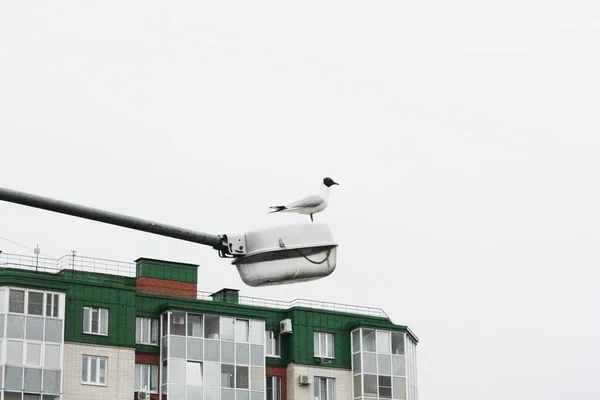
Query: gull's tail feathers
276	209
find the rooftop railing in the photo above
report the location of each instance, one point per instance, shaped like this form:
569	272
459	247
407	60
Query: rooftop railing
316	304
121	268
68	262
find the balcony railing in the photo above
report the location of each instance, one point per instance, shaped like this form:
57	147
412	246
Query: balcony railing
111	267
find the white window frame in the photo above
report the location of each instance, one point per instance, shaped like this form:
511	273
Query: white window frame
240	323
149	370
26	353
55	296
329	387
146	324
3	303
55	301
276	385
273	339
89	380
24	301
199	380
102	321
29	291
329	344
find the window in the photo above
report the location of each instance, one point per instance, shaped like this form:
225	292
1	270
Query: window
34	328
357	386
51	356
257	378
165	324
194	325
227	328
368	342
272	340
383	342
242	353
399	391
323	343
385	387
227	376
241	330
165	369
52	305
34	354
146	330
212	374
14	352
211	326
369	363
54	331
176	347
242	380
35	303
177	326
146	377
273	388
194	373
371	385
384	366
16	301
15	326
12	396
257	329
356	341
95	320
398	343
324	388
93	370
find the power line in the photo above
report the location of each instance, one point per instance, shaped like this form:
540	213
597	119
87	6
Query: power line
21	245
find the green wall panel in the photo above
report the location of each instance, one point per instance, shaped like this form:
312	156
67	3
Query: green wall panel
167	270
121	314
145	348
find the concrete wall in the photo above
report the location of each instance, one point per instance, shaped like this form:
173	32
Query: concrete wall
295	391
119	375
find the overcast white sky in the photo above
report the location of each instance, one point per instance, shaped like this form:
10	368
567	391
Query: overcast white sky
464	134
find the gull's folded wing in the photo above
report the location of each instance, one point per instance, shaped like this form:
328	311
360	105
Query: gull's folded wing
307	202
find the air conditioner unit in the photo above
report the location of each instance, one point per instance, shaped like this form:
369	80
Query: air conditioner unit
285	326
304	380
178	320
143	396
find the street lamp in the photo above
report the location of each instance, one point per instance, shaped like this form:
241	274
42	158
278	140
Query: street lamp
263	257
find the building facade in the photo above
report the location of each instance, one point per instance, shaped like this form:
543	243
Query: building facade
80	328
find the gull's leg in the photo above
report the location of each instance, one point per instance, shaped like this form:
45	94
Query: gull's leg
311	218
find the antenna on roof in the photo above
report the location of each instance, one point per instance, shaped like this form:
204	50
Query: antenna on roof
37	255
73	252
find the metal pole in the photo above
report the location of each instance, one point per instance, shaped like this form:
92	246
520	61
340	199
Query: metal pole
112	218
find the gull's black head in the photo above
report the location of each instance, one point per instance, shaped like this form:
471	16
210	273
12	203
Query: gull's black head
329	182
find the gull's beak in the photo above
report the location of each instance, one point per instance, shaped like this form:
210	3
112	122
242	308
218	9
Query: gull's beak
335	183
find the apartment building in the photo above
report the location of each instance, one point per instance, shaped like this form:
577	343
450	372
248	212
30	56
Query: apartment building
83	328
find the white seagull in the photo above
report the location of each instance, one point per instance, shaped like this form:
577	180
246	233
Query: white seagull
311	204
